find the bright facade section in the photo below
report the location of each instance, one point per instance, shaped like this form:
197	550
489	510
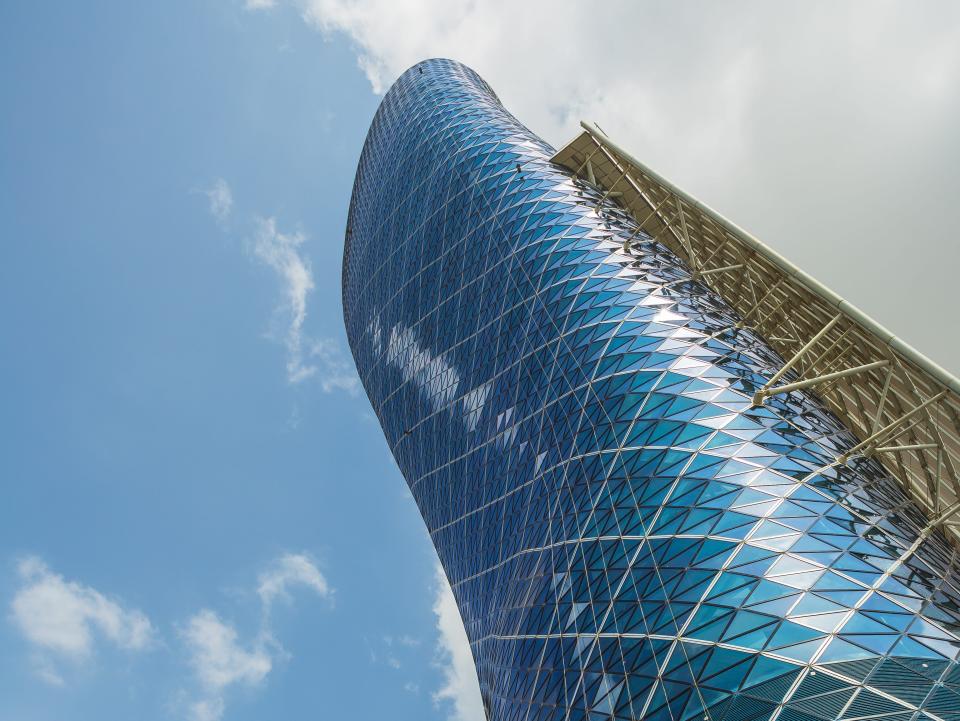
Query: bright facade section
628	533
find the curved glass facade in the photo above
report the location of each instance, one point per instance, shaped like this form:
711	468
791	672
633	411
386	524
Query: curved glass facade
626	536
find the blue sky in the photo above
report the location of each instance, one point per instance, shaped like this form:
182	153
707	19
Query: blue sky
200	518
156	451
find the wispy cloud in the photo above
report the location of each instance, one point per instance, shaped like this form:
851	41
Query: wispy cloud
288	571
389	650
281	252
259	4
403	640
396	652
336	370
460	691
306	357
63	619
322	359
220	199
221	660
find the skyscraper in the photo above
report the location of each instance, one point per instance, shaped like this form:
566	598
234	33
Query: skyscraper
668	475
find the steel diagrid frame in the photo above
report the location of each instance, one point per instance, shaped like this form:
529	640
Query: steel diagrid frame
580	539
647	450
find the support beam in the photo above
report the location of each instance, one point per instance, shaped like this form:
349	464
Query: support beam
641	226
640	229
914	447
870	442
936	481
900	432
883	400
766	392
697	274
799	354
761	323
583	165
826	351
837	360
742	323
611	193
717	251
691	253
746	276
944	516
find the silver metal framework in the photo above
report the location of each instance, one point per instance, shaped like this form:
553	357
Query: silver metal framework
904	408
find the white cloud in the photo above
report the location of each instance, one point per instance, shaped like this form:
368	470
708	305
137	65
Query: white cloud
460	690
64	618
218	658
260	4
306	357
805	123
220	661
291	569
220	198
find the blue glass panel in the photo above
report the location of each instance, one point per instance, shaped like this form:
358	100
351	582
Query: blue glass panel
626	537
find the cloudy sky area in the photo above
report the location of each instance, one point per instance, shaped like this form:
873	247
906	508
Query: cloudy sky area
826	129
201	520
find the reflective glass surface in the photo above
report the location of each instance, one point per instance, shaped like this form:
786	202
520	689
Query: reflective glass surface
625	535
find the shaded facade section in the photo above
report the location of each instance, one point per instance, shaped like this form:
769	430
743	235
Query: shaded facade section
626	536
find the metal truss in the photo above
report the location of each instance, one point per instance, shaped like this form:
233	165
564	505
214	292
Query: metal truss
904	409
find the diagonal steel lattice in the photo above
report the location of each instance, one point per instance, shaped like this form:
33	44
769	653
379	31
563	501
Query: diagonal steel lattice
627	533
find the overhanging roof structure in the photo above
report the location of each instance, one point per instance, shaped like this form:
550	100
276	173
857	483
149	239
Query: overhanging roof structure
903	407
